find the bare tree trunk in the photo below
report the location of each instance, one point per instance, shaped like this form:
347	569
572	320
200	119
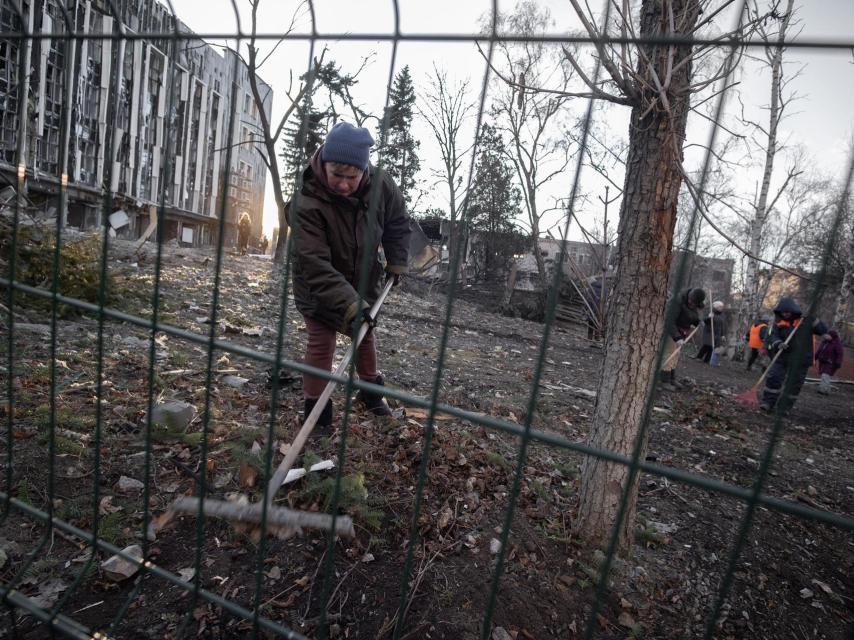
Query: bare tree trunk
280	251
843	299
639	295
757	224
538	256
846	292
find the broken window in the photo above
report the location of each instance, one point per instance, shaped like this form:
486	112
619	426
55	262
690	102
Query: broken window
8	87
196	114
211	189
151	145
52	93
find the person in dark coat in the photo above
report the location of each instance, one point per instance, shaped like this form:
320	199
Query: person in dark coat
755	338
687	317
244	227
828	359
714	332
345	210
796	357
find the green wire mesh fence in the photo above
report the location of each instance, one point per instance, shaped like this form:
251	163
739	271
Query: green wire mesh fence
66	32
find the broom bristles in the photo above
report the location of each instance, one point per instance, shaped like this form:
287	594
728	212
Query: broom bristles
748	399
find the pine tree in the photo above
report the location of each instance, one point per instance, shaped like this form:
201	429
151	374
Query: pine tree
398	150
494	201
297	156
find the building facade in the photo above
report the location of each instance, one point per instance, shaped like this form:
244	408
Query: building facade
581	260
142	119
713	275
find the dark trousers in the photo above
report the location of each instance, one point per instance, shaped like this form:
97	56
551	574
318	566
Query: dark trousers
754	353
773	391
705	353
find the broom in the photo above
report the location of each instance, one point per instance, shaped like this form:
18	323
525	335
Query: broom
749	398
713	359
679	347
281	521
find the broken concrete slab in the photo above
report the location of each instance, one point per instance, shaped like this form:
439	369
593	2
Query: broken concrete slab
234	381
117	568
174	414
118	219
134	342
500	633
129	484
43	329
296	474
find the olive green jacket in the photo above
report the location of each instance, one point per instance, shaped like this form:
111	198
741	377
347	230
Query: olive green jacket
336	237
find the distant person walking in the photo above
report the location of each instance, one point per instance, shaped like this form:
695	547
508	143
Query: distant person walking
755	337
828	359
244	227
796	356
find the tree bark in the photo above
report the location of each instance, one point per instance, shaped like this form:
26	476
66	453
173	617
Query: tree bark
757	224
639	295
846	291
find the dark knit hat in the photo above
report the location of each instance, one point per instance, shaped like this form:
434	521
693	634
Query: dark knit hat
697	297
348	145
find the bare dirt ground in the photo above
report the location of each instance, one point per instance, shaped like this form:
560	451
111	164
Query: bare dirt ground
793	578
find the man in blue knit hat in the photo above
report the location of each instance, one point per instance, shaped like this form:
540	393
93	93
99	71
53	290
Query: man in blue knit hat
345	210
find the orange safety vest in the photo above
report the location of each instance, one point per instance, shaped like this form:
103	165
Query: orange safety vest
756	341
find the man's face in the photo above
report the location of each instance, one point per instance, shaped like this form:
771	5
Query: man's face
786	315
344	179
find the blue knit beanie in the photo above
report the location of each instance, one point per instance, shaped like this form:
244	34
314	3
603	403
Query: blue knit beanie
348	145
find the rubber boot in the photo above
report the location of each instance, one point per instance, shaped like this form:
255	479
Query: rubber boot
374	402
673	382
323	426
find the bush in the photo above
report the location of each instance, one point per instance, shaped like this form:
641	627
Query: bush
79	266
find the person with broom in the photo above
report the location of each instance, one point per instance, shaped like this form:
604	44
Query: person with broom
686	319
795	354
714	332
345	210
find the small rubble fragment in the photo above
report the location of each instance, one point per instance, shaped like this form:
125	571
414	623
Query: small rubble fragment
116	568
174	414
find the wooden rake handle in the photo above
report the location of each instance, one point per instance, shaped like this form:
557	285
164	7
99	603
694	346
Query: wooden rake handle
774	359
311	419
679	347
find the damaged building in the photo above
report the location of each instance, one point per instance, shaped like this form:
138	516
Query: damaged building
143	119
588	272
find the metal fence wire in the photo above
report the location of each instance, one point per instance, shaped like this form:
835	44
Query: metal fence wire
62	37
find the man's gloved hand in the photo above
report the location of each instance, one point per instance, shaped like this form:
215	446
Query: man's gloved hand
363	318
780	345
680	342
394	277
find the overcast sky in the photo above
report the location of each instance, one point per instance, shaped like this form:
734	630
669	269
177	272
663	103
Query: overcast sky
822	120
